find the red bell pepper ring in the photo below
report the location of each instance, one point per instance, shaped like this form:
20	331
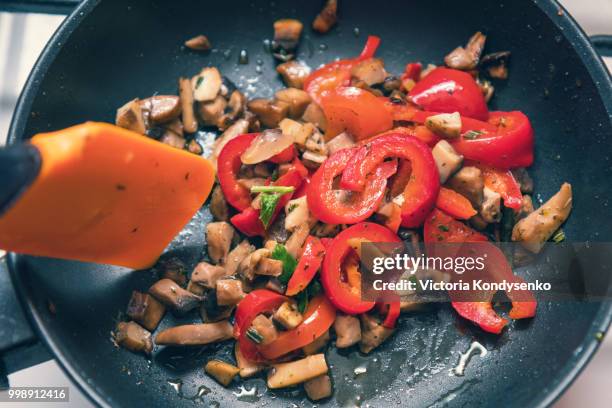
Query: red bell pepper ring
228	166
481	313
455	204
393	311
450	90
337	73
248	221
341	294
355	110
307	267
256	302
509	146
318	318
327	203
503	183
285	156
421	191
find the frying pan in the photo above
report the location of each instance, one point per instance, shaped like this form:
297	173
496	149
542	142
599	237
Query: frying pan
108	52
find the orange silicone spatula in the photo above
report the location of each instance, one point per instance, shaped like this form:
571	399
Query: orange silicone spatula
98	193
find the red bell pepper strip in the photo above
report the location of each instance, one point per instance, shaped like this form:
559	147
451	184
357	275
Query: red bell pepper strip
503	182
358	111
256	302
455	204
393	312
318	318
481	313
412	71
440	227
337	73
285	156
308	265
340	292
228	166
248	221
450	90
421	191
329	205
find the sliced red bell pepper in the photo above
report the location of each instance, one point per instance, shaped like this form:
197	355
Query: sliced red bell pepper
344	295
503	182
412	71
334	206
450	90
256	302
307	267
455	204
337	73
441	227
421	191
318	318
355	110
228	166
481	313
248	221
285	156
393	311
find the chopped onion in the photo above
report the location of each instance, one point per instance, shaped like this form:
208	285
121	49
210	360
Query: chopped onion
267	144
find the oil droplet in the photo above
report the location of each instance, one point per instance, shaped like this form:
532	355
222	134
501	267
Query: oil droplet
465	357
176	384
243	58
356	31
360	370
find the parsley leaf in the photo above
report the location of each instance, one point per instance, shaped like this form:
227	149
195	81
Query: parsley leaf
269	202
289	262
312	290
272	189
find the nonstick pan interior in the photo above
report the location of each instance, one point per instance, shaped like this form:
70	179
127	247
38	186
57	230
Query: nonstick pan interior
111	52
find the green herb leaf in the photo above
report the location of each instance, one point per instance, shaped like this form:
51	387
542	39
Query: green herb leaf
442	227
472	134
254	336
272	189
312	290
268	205
302	301
559	236
289	262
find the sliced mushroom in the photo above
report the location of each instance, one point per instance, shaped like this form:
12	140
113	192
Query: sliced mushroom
467	58
490	210
469	183
299	132
219	238
448	161
175	126
247	367
524	179
211	312
296	213
487	88
269	113
195	288
287	34
145	310
447	125
229	292
207	275
249	264
211	112
129	116
327	17
314	114
269	267
496	64
234	109
173	296
373	333
317	345
343	141
370	71
173	269
162	108
240	127
133	337
188	115
268	143
218	206
221	371
206	85
313	160
172	139
297	100
526	208
236	256
296	240
294	73
198	43
318	388
193	146
288	315
296	372
348	330
196	334
537	228
262	330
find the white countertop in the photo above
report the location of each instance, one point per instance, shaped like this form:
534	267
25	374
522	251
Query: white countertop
592	389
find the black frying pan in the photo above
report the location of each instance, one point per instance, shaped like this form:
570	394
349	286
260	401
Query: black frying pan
108	52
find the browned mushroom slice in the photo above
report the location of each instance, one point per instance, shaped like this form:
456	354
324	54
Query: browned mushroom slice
348	331
327	17
234	109
373	333
269	267
297	99
469	183
211	112
198	43
343	141
211	312
247	367
193	146
221	371
188	115
206	85
173	296
195	334
287	34
240	127
467	58
174	269
314	114
175	126
318	388
219	238
262	330
496	64
172	139
145	310
162	108
133	337
229	292
270	113
288	315
370	71
129	116
236	256
295	372
195	288
294	73
218	206
296	240
207	275
524	179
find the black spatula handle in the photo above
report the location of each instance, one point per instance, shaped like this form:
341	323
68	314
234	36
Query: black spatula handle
19	166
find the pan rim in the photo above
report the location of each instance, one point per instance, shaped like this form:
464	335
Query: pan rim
551	9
